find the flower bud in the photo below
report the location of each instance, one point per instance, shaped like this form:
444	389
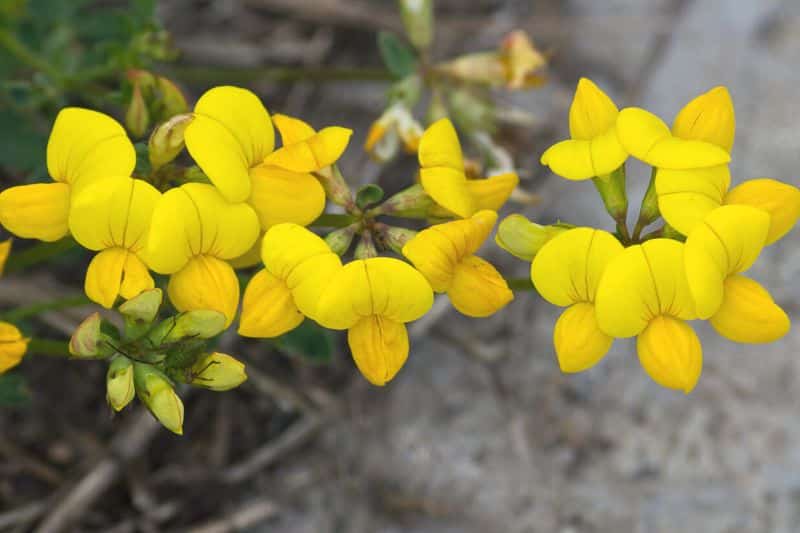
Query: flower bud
393	238
199	323
418	20
522	238
485	68
365	248
522	60
173	102
137	117
86	342
340	240
166	141
157	393
412	202
218	372
336	188
143	307
119	382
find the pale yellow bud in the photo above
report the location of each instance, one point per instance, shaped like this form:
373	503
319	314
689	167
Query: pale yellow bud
218	372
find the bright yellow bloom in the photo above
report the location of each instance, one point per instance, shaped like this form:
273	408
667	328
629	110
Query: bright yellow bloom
12	346
195	232
566	271
84	146
298	266
113	218
717	251
443	177
445	254
644	292
594	148
373	299
780	200
709	117
230	137
305	150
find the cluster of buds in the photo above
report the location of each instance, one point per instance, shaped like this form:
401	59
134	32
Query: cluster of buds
153	99
149	357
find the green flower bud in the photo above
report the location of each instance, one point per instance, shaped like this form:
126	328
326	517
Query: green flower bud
166	141
418	21
522	238
143	307
393	238
119	382
218	372
86	341
158	394
200	324
137	117
340	240
412	202
173	102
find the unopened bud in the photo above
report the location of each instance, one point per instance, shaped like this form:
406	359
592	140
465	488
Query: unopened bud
143	307
365	249
119	382
87	340
199	323
522	238
394	238
524	63
218	372
336	188
412	202
173	102
167	141
418	21
137	118
339	241
158	394
486	68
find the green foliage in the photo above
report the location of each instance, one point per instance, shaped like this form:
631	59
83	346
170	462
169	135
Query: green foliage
13	390
398	57
368	195
309	341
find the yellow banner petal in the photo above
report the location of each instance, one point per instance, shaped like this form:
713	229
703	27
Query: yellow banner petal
478	289
748	313
12	346
86	145
36	211
492	192
670	353
231	132
285	246
268	309
448	188
568	268
439	147
313	154
641	283
686	197
577	338
379	346
727	242
709	117
292	130
280	195
205	283
592	112
780	200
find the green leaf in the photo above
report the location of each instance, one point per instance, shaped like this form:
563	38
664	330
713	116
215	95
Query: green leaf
14	390
309	341
398	57
368	195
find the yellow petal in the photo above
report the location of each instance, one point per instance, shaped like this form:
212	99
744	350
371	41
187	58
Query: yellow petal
448	188
36	211
292	130
439	147
749	314
377	286
492	192
568	268
5	249
670	353
647	137
592	112
313	154
113	212
585	159
280	195
205	283
641	283
12	346
478	289
438	250
577	338
727	242
780	200
379	346
86	145
709	117
231	132
686	197
195	219
268	309
114	272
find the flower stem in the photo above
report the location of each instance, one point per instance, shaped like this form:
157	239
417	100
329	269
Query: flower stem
48	347
38	253
520	284
42	307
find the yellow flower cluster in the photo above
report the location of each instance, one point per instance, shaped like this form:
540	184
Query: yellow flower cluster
615	286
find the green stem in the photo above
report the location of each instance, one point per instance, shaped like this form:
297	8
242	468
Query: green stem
648	212
191	73
332	220
48	347
25	55
41	307
38	253
520	284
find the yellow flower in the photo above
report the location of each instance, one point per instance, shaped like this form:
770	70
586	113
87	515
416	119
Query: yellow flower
644	293
594	149
113	218
84	146
230	137
12	346
566	271
373	299
445	254
443	177
298	266
194	233
305	150
717	251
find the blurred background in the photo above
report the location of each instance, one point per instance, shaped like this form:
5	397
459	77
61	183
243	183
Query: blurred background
480	432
